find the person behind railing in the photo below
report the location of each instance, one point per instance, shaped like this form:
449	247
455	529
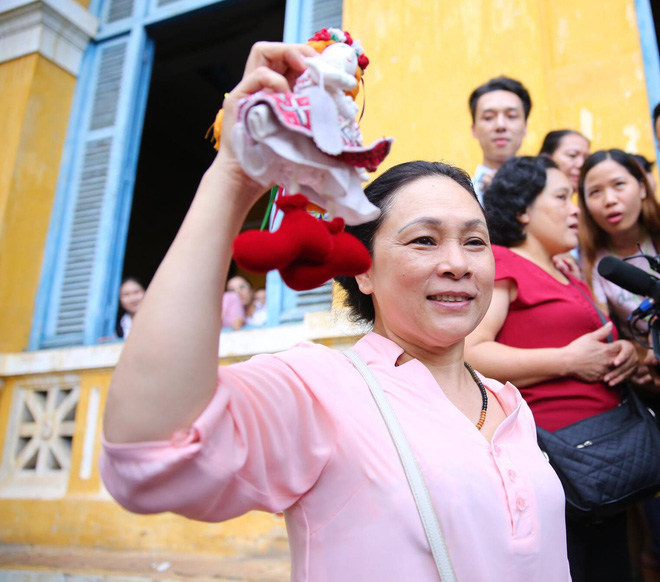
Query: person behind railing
255	309
233	314
131	293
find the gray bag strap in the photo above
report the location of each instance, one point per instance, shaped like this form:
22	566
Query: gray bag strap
413	474
601	315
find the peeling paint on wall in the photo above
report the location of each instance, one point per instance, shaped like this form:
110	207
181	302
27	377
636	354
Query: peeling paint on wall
633	134
587	123
562	36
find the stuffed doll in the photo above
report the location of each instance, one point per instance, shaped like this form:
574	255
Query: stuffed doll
309	142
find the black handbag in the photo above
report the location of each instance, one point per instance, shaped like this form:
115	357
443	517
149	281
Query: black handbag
608	461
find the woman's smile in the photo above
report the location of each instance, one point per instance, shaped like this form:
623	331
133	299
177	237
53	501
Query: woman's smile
453	299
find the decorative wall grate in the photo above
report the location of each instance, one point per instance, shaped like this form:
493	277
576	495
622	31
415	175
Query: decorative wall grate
37	456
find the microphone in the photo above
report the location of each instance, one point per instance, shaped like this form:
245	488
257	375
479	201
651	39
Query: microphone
630	278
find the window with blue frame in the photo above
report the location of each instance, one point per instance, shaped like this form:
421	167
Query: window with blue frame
148	90
198	57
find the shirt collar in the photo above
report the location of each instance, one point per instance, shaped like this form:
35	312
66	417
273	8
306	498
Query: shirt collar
374	347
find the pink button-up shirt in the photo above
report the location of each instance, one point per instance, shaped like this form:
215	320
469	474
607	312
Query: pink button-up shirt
299	432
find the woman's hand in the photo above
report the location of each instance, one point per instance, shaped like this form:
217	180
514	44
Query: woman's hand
646	375
272	67
624	364
567	264
590	357
642	376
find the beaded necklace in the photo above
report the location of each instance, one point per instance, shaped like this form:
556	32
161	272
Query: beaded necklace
484	396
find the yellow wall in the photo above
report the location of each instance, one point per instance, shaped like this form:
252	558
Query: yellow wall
83	522
34	111
579	61
86	516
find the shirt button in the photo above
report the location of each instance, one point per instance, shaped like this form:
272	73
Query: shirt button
497	450
512	475
521	504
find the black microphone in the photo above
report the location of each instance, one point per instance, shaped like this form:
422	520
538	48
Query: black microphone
630	278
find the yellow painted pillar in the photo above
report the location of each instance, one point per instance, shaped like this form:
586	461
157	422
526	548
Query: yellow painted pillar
34	112
41	46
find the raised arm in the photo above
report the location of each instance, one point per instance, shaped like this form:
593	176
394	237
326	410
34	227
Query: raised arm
588	358
167	372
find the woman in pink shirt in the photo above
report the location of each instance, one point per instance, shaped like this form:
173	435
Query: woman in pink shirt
299	431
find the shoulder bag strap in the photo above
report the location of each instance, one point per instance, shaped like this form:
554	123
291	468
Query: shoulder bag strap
413	474
603	319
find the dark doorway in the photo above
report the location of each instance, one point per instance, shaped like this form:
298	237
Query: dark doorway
198	58
655	11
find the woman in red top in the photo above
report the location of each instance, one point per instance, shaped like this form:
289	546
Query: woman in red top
544	334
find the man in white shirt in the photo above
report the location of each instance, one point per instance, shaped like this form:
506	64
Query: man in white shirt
499	109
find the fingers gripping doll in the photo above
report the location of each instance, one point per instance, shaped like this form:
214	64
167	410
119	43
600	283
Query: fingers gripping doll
309	142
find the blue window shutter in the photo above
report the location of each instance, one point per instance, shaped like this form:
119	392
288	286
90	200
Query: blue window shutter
75	281
319	299
116	16
117	10
325	14
93	198
161	9
303	19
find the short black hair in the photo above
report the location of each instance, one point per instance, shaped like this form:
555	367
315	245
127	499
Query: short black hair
501	83
553	139
656	113
381	193
514	188
134	279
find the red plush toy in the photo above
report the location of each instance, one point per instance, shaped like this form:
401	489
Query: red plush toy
307	251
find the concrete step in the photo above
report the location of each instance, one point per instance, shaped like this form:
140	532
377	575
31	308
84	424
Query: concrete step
66	564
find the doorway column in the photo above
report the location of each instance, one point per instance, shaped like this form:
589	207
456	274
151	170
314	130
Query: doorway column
41	48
